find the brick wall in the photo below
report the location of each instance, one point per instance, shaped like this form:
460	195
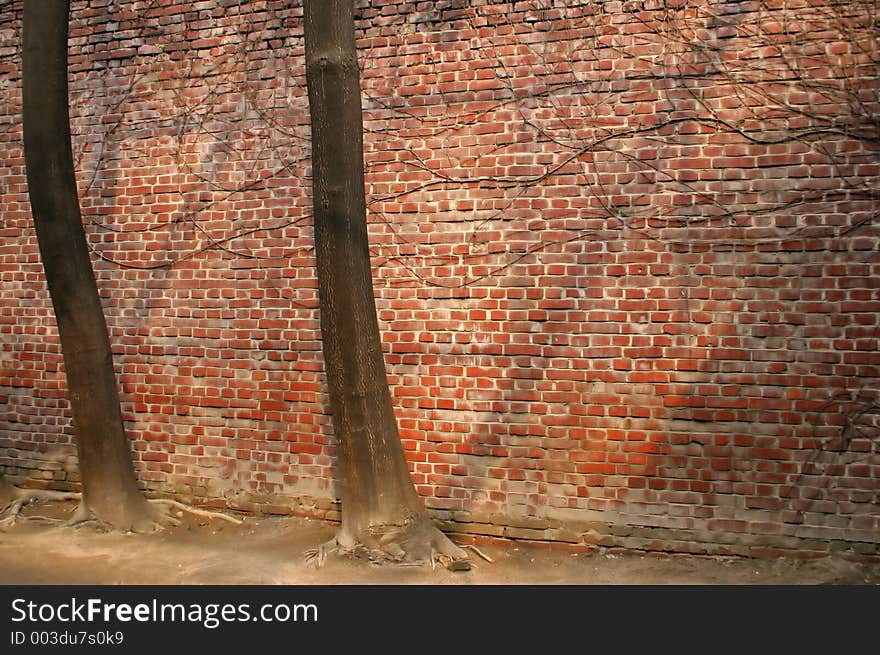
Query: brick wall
626	263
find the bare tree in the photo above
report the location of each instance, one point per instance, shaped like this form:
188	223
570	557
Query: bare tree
381	511
109	487
110	493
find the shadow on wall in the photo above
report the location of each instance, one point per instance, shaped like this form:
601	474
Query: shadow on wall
711	408
771	433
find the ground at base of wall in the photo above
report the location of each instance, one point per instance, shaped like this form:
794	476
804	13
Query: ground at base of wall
269	550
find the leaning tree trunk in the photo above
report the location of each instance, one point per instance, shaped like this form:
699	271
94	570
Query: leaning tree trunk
380	507
110	491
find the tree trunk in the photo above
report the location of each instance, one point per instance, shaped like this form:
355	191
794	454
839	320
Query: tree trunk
110	491
380	507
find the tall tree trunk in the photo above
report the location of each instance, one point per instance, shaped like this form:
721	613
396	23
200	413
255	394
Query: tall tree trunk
110	491
380	507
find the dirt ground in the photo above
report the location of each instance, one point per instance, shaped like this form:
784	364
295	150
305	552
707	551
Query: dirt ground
269	550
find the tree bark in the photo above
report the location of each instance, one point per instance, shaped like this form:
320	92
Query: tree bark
109	487
380	507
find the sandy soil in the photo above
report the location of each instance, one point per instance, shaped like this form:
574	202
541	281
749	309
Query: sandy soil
269	550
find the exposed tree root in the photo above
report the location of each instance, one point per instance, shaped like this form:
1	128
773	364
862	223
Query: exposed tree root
194	511
15	499
415	543
82	515
479	552
318	556
10	513
159	511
